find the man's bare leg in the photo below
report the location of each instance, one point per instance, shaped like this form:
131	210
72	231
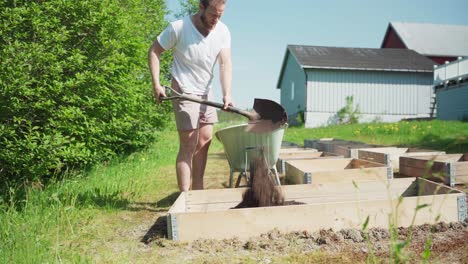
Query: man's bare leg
205	134
188	143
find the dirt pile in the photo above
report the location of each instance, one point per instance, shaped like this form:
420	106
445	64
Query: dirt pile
448	243
262	190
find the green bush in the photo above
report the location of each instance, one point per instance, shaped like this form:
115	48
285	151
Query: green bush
74	84
349	114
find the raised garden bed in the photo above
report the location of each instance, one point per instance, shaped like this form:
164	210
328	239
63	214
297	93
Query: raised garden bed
390	156
348	149
450	169
301	154
335	170
207	214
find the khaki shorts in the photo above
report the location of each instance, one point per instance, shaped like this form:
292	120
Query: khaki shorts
189	115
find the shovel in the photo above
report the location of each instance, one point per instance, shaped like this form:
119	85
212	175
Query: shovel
266	115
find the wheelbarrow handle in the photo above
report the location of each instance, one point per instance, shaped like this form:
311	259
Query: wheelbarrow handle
180	96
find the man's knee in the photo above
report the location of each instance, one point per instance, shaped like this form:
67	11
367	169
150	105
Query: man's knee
187	141
205	135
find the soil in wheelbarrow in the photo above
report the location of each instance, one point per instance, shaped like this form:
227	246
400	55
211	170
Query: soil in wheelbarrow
262	190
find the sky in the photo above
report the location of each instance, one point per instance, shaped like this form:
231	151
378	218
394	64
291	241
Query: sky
262	29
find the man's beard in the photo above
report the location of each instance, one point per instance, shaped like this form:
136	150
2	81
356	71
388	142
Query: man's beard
205	23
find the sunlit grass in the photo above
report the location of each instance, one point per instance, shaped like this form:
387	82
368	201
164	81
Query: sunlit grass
451	136
74	219
42	230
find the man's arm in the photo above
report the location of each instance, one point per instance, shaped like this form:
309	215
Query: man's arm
225	72
154	62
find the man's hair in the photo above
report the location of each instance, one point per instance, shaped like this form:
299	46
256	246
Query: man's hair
206	3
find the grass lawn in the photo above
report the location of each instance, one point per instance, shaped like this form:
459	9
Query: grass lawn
101	216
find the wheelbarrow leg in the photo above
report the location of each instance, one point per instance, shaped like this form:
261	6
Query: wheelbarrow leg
231	175
242	174
277	180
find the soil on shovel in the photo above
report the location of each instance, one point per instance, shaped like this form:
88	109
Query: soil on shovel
262	190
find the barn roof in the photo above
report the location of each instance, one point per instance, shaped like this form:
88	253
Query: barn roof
432	39
317	57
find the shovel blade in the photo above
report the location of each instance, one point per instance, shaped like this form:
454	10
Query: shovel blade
271	116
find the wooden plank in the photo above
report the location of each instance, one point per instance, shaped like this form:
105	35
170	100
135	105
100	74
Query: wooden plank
463	179
347	150
294	175
378	157
365	191
412	172
179	204
427	187
310	193
319	165
179	207
440	158
421	166
294	192
350	175
414	162
339	170
395	158
222	224
423	153
461	168
358	163
326	144
281	163
464	157
437	176
207	196
332	164
307	200
393	154
324	189
296	150
305	154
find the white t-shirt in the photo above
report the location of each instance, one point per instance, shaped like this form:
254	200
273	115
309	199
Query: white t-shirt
195	55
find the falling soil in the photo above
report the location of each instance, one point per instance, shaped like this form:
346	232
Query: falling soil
262	190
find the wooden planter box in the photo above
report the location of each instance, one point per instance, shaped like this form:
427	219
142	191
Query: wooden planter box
450	169
320	143
301	154
296	150
348	149
206	214
390	156
335	170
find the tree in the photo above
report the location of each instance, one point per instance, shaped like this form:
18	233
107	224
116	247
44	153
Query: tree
188	7
74	84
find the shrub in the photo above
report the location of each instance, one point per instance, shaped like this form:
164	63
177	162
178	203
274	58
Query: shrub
74	84
349	114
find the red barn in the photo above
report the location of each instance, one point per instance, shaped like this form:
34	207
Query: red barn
439	43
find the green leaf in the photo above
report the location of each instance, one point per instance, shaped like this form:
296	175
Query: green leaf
421	206
366	222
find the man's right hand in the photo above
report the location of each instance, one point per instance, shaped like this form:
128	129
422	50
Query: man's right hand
159	92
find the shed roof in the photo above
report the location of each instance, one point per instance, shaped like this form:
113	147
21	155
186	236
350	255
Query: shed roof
432	39
317	57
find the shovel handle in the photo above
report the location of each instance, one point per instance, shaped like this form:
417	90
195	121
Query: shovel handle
249	115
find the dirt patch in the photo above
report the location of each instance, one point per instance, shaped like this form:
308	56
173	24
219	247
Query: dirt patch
449	243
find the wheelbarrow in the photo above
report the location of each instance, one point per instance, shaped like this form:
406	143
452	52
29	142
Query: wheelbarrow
241	147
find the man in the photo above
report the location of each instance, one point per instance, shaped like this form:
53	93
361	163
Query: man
198	41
